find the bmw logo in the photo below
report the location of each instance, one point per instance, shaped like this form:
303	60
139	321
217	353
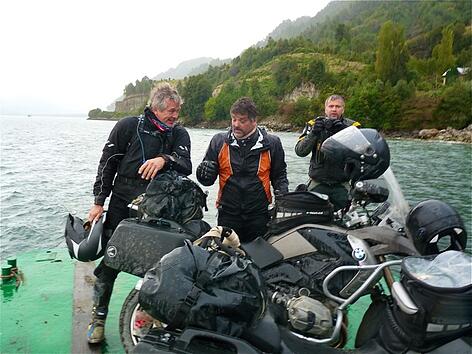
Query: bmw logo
111	251
358	254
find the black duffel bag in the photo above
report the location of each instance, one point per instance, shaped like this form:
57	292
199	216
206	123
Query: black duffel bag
215	290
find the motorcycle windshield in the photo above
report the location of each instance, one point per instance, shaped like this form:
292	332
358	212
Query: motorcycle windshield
353	140
398	206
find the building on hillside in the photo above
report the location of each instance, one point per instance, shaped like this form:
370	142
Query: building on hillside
453	73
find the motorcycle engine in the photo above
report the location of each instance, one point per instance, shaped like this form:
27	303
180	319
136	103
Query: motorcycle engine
306	314
310	316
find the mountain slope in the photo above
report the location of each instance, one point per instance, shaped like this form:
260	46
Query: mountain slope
189	67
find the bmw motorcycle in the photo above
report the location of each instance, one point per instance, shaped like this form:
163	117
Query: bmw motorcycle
307	245
427	311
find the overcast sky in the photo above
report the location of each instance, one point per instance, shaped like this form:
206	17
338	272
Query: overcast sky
72	56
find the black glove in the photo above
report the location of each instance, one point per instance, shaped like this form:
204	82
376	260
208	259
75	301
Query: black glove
336	126
207	172
319	126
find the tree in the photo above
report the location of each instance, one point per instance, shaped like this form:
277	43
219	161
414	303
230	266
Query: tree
286	75
341	32
442	53
315	72
129	89
391	55
454	109
217	108
196	92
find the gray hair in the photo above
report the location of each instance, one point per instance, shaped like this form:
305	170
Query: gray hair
161	93
245	106
335	98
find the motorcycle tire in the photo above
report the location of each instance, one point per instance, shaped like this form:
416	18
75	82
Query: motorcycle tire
134	322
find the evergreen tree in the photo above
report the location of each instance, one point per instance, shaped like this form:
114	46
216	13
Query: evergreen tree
391	56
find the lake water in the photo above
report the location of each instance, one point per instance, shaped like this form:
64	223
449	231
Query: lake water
48	166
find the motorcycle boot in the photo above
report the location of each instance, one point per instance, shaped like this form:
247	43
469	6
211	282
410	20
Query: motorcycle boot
102	291
96	327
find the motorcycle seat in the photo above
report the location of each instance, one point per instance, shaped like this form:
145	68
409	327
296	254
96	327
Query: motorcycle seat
264	335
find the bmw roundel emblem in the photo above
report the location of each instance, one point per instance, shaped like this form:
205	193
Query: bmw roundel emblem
358	254
111	251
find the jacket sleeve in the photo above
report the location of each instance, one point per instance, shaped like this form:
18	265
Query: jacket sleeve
306	142
210	155
179	158
278	168
112	153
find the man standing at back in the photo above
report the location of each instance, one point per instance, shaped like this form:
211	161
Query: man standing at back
247	161
137	149
326	176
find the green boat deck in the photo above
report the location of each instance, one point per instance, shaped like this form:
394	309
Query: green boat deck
49	311
40	317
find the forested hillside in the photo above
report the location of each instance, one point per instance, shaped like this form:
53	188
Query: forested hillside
386	58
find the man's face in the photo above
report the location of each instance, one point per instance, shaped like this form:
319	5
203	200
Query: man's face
170	114
334	109
242	125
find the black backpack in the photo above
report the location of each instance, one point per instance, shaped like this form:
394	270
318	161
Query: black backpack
173	196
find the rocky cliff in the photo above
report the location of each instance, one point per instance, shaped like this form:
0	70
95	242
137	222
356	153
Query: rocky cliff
131	103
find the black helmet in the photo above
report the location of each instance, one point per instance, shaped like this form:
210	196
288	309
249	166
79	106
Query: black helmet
432	220
363	153
84	240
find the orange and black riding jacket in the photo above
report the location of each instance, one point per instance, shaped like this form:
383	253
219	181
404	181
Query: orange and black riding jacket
246	170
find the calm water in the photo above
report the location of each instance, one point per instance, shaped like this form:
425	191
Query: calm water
48	166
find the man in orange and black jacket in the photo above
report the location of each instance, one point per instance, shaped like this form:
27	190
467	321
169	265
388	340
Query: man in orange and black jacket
247	161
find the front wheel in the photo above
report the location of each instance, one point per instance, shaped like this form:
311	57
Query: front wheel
134	322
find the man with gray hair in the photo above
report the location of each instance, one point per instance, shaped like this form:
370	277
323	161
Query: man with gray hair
325	177
137	149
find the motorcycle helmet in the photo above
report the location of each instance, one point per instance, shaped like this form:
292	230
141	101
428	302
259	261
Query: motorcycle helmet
84	240
435	227
363	153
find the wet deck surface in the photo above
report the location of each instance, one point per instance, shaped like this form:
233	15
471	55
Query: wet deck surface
83	290
44	314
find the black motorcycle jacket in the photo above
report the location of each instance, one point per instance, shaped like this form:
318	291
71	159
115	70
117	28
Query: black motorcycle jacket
310	141
132	141
246	169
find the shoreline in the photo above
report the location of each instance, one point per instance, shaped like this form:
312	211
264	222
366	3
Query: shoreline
463	136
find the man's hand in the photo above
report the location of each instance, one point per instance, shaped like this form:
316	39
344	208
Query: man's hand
336	126
319	126
95	212
150	168
207	172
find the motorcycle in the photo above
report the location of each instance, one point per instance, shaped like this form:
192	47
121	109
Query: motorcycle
433	299
306	242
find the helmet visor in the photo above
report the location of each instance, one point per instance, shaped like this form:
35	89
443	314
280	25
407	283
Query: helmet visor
353	140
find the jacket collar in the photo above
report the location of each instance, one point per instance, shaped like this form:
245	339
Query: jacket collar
257	139
156	123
